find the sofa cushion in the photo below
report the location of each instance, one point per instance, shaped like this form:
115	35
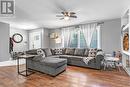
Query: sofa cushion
32	52
47	52
86	52
69	51
63	51
38	58
92	52
64	56
53	62
53	51
53	56
71	57
75	58
79	52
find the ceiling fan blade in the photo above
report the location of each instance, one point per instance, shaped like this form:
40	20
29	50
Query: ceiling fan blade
63	13
72	13
73	16
59	15
61	18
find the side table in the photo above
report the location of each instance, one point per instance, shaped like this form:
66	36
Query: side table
26	71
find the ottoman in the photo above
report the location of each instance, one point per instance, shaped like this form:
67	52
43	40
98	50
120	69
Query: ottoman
51	66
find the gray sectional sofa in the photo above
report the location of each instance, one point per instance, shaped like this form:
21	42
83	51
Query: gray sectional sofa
56	60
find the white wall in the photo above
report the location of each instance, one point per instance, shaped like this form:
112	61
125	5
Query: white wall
4	42
23	46
110	35
53	44
45	39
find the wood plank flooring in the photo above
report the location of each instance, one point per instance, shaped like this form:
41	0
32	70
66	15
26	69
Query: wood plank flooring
72	77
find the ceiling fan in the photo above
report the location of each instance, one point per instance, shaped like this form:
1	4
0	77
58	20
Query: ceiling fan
67	15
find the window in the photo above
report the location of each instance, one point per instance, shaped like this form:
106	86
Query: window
75	37
78	40
82	41
74	40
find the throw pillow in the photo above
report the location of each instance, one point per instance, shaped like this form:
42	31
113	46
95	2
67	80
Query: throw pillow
79	52
58	51
92	52
47	52
40	52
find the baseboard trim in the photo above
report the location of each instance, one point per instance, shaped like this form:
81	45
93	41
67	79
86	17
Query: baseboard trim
11	62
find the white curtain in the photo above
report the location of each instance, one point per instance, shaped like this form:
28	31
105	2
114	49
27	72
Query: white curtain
66	34
88	30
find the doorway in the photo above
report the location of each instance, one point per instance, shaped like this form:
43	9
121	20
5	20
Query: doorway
35	40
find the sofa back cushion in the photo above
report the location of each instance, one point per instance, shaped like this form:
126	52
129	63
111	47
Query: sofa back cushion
47	52
32	52
79	52
53	51
63	51
92	52
69	51
86	52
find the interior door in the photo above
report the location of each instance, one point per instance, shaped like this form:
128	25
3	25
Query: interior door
35	40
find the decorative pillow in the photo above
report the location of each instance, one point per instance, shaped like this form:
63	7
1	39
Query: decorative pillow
58	51
63	50
86	52
79	52
92	52
69	51
47	52
53	51
40	52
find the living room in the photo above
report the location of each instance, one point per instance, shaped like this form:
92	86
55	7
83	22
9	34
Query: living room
64	43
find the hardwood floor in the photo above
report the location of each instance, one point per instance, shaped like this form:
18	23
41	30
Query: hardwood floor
72	77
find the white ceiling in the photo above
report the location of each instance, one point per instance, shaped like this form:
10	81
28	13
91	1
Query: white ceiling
32	14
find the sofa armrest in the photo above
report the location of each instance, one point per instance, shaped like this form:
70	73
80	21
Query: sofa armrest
99	56
98	59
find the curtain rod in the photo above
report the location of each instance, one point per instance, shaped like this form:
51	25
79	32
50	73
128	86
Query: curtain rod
98	23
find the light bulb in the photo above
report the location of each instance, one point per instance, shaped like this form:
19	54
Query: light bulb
66	18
